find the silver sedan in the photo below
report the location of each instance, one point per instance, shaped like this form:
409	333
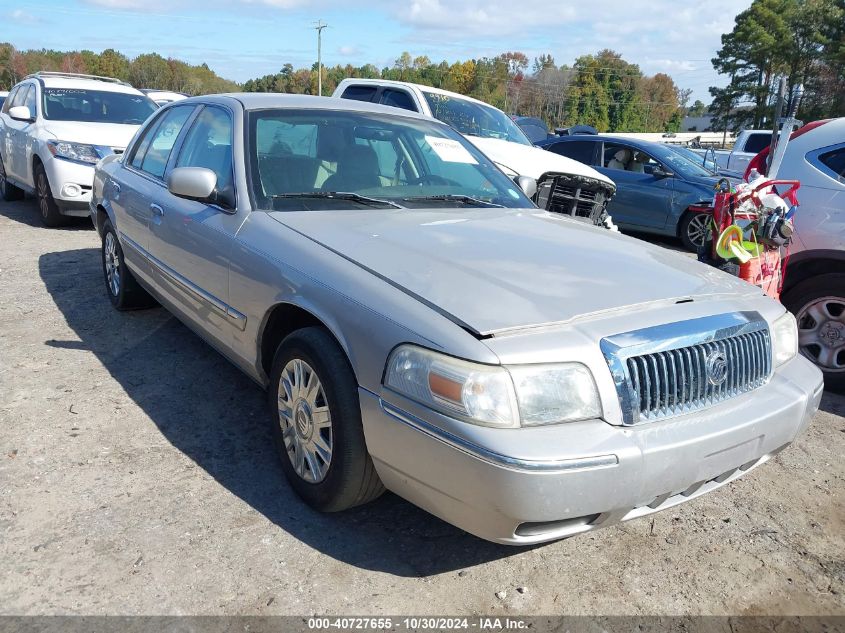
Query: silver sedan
421	326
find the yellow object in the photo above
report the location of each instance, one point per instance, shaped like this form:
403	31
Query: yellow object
730	245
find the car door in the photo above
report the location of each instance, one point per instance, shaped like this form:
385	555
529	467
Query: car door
7	132
140	182
16	163
643	200
191	240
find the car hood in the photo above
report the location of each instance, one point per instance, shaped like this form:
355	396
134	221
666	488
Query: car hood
528	160
491	270
105	134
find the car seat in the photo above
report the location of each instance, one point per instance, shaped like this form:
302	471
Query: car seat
357	168
638	164
620	159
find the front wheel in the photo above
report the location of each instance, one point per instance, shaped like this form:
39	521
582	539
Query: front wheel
818	304
123	289
50	214
316	418
693	230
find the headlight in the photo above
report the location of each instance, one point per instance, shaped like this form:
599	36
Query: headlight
784	339
490	395
74	151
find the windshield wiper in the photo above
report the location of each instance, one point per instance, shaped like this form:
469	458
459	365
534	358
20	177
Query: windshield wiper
338	195
455	198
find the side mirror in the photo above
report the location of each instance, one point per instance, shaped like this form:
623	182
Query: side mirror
527	184
194	183
21	113
659	172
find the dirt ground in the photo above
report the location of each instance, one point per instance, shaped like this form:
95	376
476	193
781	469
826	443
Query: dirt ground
136	477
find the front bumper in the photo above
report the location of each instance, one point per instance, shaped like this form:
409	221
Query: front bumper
603	474
71	184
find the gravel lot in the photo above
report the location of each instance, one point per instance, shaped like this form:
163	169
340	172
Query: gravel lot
136	477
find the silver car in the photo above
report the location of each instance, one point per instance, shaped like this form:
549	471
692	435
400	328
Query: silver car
421	326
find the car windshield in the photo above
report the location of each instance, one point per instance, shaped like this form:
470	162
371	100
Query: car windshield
676	162
474	119
696	159
96	106
323	159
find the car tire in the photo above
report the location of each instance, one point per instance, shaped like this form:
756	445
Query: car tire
307	422
8	191
50	214
124	291
692	229
818	304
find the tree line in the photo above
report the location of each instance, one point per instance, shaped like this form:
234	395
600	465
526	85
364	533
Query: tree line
144	71
602	90
801	41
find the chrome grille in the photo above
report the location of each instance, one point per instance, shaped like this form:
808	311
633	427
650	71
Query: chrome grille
669	370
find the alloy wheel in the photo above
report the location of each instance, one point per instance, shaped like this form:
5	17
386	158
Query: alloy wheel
697	228
43	195
112	264
305	420
821	332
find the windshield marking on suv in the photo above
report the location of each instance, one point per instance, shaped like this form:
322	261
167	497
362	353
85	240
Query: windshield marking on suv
474	119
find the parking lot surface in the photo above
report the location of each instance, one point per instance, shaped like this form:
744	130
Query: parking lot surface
137	477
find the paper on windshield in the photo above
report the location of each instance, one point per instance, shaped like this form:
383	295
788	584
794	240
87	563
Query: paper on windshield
450	151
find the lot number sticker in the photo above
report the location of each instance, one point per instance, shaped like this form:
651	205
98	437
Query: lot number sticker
450	151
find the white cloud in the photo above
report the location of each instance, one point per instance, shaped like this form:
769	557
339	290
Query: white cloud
22	17
349	51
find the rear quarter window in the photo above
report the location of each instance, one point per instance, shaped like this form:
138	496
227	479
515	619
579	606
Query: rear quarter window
757	142
835	161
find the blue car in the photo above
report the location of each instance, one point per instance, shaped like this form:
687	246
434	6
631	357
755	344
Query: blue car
658	191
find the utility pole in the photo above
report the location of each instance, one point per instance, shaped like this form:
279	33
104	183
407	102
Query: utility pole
319	28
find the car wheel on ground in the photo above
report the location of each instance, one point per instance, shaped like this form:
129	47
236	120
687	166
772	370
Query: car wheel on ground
50	214
693	230
8	191
123	289
317	427
818	304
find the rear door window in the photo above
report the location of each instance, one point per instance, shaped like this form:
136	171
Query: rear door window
582	151
359	93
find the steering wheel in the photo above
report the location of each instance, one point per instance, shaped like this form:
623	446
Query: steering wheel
432	179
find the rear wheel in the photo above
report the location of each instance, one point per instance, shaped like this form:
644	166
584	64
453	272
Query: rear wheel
819	307
8	191
693	230
316	417
50	214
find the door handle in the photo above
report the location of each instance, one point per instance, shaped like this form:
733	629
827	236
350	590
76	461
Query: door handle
116	187
157	210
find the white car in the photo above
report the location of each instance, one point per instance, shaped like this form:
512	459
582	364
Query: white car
564	185
814	279
54	127
162	97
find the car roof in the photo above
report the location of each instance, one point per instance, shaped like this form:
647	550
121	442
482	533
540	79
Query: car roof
406	84
270	100
82	82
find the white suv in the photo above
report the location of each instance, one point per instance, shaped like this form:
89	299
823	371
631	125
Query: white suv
557	183
54	127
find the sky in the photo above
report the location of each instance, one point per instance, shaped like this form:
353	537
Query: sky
243	39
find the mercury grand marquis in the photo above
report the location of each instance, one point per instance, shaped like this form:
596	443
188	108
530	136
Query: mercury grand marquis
421	326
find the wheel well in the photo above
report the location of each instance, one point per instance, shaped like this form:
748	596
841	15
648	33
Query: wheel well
102	216
803	269
283	319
